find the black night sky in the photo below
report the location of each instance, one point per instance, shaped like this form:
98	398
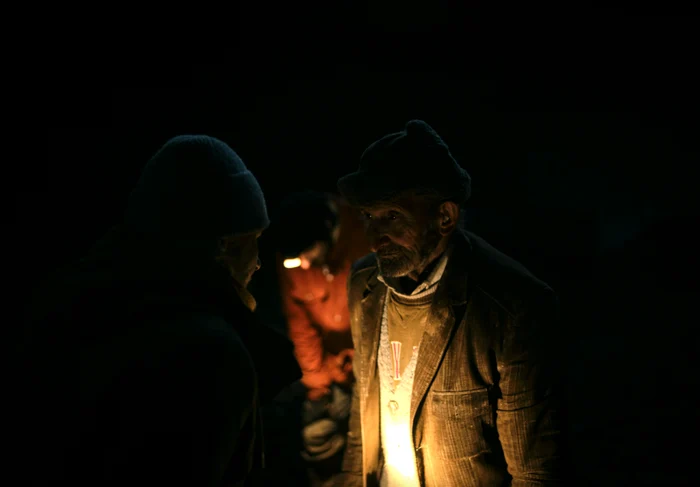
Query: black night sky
581	136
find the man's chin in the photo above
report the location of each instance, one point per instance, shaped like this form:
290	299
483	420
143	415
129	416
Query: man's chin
392	268
243	281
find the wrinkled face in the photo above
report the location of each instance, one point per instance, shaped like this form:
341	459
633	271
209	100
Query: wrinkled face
239	254
403	234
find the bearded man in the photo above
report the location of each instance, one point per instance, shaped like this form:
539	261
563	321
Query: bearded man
456	353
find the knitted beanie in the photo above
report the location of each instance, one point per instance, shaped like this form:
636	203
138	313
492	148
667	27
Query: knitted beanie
196	187
414	159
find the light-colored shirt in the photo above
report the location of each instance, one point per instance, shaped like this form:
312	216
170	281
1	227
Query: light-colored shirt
403	321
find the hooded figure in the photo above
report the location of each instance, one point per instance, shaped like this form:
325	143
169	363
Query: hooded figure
148	367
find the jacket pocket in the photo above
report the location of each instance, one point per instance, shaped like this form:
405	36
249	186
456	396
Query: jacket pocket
459	421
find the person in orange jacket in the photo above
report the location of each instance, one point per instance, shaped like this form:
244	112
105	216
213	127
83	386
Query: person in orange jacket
321	238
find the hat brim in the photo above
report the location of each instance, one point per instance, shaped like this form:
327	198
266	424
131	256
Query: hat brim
363	188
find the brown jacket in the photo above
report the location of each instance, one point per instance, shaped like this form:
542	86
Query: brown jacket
485	410
316	308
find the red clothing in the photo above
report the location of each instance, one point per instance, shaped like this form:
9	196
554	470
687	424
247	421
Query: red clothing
315	304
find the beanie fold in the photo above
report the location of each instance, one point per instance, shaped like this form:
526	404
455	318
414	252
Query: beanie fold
196	188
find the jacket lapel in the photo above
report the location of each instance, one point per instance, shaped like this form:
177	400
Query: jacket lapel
433	345
372	308
451	292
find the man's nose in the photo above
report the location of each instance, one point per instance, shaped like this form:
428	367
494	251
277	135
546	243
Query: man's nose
376	234
378	241
258	264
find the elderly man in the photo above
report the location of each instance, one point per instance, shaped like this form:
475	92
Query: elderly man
148	367
455	348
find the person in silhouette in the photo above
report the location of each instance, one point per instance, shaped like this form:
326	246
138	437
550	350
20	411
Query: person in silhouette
148	366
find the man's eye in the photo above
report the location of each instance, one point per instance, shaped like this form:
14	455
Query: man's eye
393	215
367	216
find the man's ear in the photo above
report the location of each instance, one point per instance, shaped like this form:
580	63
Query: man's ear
448	215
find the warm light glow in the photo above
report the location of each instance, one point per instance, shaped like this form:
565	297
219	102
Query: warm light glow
400	458
292	263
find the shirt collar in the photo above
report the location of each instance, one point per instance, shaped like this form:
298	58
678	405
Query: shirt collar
431	281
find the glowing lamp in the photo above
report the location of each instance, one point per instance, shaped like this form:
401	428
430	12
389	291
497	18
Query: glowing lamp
292	263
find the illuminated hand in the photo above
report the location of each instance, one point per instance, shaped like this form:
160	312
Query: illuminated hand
317	384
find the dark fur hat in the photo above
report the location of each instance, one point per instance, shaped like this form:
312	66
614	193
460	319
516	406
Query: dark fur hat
414	159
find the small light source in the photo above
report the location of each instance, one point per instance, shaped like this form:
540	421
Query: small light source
292	263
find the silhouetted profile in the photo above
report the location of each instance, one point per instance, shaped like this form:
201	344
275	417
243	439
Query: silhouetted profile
148	366
456	357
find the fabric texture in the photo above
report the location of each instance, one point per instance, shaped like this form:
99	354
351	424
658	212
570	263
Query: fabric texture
415	158
196	187
154	372
395	399
315	306
487	404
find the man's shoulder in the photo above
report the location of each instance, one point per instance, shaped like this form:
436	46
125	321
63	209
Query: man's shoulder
211	351
212	328
213	337
362	270
364	264
502	278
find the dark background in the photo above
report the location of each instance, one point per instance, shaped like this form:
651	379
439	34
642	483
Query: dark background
580	133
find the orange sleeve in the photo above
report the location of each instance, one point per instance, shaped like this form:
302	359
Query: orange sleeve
308	344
